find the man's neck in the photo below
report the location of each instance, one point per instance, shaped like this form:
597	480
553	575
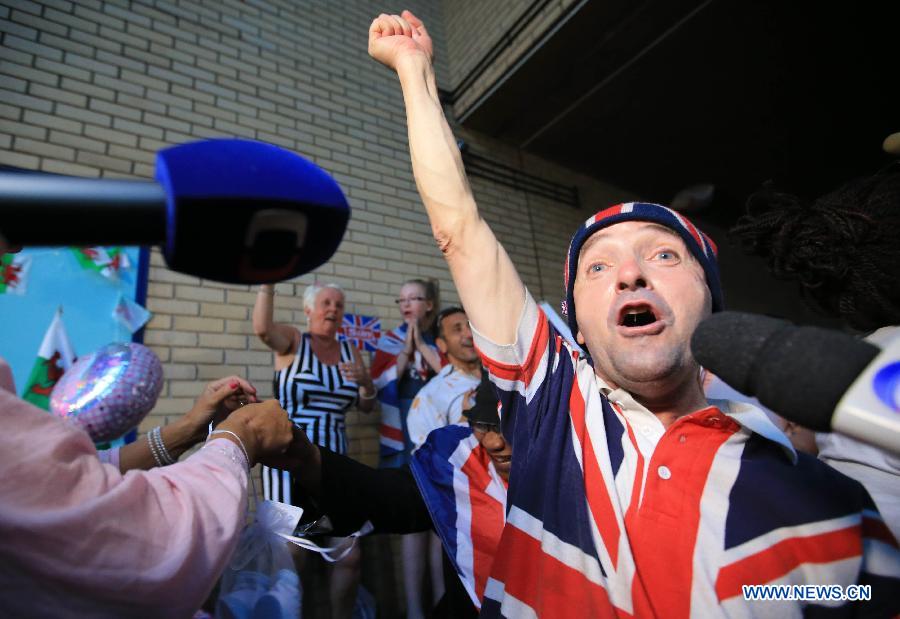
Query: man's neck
669	407
473	368
667	400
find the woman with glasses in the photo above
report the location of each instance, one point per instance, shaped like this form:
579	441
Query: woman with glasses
317	379
405	359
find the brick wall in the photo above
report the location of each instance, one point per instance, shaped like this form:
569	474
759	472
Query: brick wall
473	27
94	88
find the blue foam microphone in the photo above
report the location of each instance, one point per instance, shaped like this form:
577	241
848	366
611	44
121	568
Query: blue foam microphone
231	210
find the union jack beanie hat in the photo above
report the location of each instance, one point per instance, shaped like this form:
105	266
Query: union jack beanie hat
700	245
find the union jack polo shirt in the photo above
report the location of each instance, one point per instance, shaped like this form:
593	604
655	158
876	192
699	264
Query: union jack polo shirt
611	515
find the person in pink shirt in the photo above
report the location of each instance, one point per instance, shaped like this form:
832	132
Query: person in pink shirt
80	537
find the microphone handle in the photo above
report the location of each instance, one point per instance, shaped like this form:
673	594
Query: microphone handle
38	209
870	409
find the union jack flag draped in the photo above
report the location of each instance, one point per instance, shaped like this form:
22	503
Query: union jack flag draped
466	498
384	376
361	331
394	438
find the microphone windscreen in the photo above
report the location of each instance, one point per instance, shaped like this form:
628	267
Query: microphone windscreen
801	373
729	344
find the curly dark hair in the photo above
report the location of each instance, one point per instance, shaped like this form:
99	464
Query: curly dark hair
843	248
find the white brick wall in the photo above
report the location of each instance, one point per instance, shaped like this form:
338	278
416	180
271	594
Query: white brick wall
473	27
94	88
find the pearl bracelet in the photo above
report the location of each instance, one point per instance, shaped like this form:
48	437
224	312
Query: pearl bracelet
153	451
163	452
160	454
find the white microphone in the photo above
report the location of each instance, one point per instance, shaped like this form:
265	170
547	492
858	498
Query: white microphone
870	410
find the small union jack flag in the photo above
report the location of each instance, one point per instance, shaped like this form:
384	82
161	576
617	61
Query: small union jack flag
361	331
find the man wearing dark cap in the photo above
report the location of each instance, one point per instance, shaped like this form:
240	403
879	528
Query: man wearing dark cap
456	485
630	495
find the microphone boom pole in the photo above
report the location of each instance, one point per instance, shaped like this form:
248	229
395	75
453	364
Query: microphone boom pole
231	210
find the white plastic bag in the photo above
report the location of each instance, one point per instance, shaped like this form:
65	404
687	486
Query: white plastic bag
261	582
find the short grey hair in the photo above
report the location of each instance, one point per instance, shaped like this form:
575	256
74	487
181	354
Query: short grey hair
313	290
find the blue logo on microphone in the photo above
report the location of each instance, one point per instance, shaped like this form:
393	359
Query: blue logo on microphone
887	385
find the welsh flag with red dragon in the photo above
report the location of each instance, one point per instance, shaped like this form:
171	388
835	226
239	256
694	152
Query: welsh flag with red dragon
55	356
13	273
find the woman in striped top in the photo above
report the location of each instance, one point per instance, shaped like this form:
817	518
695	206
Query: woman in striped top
405	360
317	379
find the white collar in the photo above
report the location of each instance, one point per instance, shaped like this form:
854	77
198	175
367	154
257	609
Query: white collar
755	420
745	414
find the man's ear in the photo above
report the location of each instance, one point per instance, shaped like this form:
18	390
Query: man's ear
441	344
579	338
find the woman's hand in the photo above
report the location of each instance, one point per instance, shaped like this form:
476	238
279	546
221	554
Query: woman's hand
355	372
409	344
218	400
417	336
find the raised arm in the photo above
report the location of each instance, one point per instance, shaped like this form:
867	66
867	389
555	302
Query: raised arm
488	284
279	337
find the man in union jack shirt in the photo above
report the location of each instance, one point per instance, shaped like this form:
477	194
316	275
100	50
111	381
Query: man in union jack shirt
630	495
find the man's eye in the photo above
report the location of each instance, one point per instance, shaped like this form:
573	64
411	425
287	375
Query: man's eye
597	268
666	255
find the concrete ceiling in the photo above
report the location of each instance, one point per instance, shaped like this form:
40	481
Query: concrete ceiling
658	95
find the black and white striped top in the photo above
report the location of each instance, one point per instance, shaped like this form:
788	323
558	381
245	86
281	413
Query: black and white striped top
316	397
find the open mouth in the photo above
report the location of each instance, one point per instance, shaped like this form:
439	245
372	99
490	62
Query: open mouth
637	316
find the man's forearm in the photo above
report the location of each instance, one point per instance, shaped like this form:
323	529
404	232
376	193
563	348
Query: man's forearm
308	473
351	493
437	163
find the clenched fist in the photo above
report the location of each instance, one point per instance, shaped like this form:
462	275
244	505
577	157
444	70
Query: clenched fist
393	38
